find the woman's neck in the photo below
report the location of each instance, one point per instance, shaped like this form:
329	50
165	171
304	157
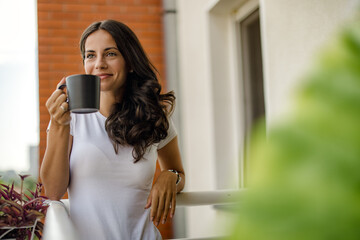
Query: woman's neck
107	101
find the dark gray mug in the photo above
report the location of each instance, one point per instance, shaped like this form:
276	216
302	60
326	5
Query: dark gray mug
83	92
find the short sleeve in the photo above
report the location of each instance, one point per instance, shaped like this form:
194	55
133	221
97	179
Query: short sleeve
171	134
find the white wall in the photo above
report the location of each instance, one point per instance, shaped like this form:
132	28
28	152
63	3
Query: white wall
293	31
196	111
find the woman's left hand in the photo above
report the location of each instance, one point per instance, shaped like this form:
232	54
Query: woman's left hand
162	198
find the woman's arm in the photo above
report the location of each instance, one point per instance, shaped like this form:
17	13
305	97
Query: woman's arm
162	198
54	171
169	158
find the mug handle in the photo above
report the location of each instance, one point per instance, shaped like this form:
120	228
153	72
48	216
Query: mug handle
62	86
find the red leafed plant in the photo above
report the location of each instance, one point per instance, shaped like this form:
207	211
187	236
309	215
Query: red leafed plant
20	213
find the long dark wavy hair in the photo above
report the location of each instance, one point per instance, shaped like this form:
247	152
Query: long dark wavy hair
141	118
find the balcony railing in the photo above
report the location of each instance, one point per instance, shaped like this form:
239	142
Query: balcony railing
58	225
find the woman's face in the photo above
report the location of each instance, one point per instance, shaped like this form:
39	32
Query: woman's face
103	58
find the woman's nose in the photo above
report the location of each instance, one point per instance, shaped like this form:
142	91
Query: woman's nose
100	63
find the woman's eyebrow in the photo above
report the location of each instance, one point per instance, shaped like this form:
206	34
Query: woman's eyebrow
106	49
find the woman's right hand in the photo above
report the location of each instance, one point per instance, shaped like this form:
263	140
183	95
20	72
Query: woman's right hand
58	107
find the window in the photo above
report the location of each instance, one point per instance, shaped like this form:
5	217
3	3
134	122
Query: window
252	78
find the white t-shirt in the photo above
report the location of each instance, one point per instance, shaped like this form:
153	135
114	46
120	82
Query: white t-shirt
108	191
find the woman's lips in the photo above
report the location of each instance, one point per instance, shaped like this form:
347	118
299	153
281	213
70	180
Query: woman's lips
104	75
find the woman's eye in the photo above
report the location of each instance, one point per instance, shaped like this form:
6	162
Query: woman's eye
111	54
89	56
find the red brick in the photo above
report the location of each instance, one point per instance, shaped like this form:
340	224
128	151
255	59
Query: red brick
79	25
51	41
62	66
44	77
59	1
45	92
50	7
79	8
55	24
75	59
139	26
64	16
43	16
89	2
110	9
44	66
44	32
148	42
53	58
135	9
155	10
92	17
146	35
124	2
65	33
44	49
151	2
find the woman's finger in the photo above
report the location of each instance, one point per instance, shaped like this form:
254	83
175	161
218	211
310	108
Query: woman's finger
53	98
167	207
60	100
64	107
54	107
154	205
59	112
55	94
62	81
173	205
160	209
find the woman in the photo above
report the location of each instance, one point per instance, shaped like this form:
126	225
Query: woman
107	159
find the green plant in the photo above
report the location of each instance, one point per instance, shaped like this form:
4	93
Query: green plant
20	212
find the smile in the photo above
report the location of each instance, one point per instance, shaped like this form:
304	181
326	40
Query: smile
104	75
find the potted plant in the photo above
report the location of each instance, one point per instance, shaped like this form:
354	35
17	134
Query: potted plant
20	213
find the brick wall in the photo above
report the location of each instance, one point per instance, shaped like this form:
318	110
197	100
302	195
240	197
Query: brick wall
60	24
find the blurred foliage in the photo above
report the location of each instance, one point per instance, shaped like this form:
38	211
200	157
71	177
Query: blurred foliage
29	182
305	177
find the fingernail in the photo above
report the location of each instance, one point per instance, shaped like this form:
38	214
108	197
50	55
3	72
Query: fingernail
157	223
163	221
152	219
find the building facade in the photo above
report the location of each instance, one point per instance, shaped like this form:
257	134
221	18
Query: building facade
240	60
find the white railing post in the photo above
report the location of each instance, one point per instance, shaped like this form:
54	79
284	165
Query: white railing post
58	225
218	197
